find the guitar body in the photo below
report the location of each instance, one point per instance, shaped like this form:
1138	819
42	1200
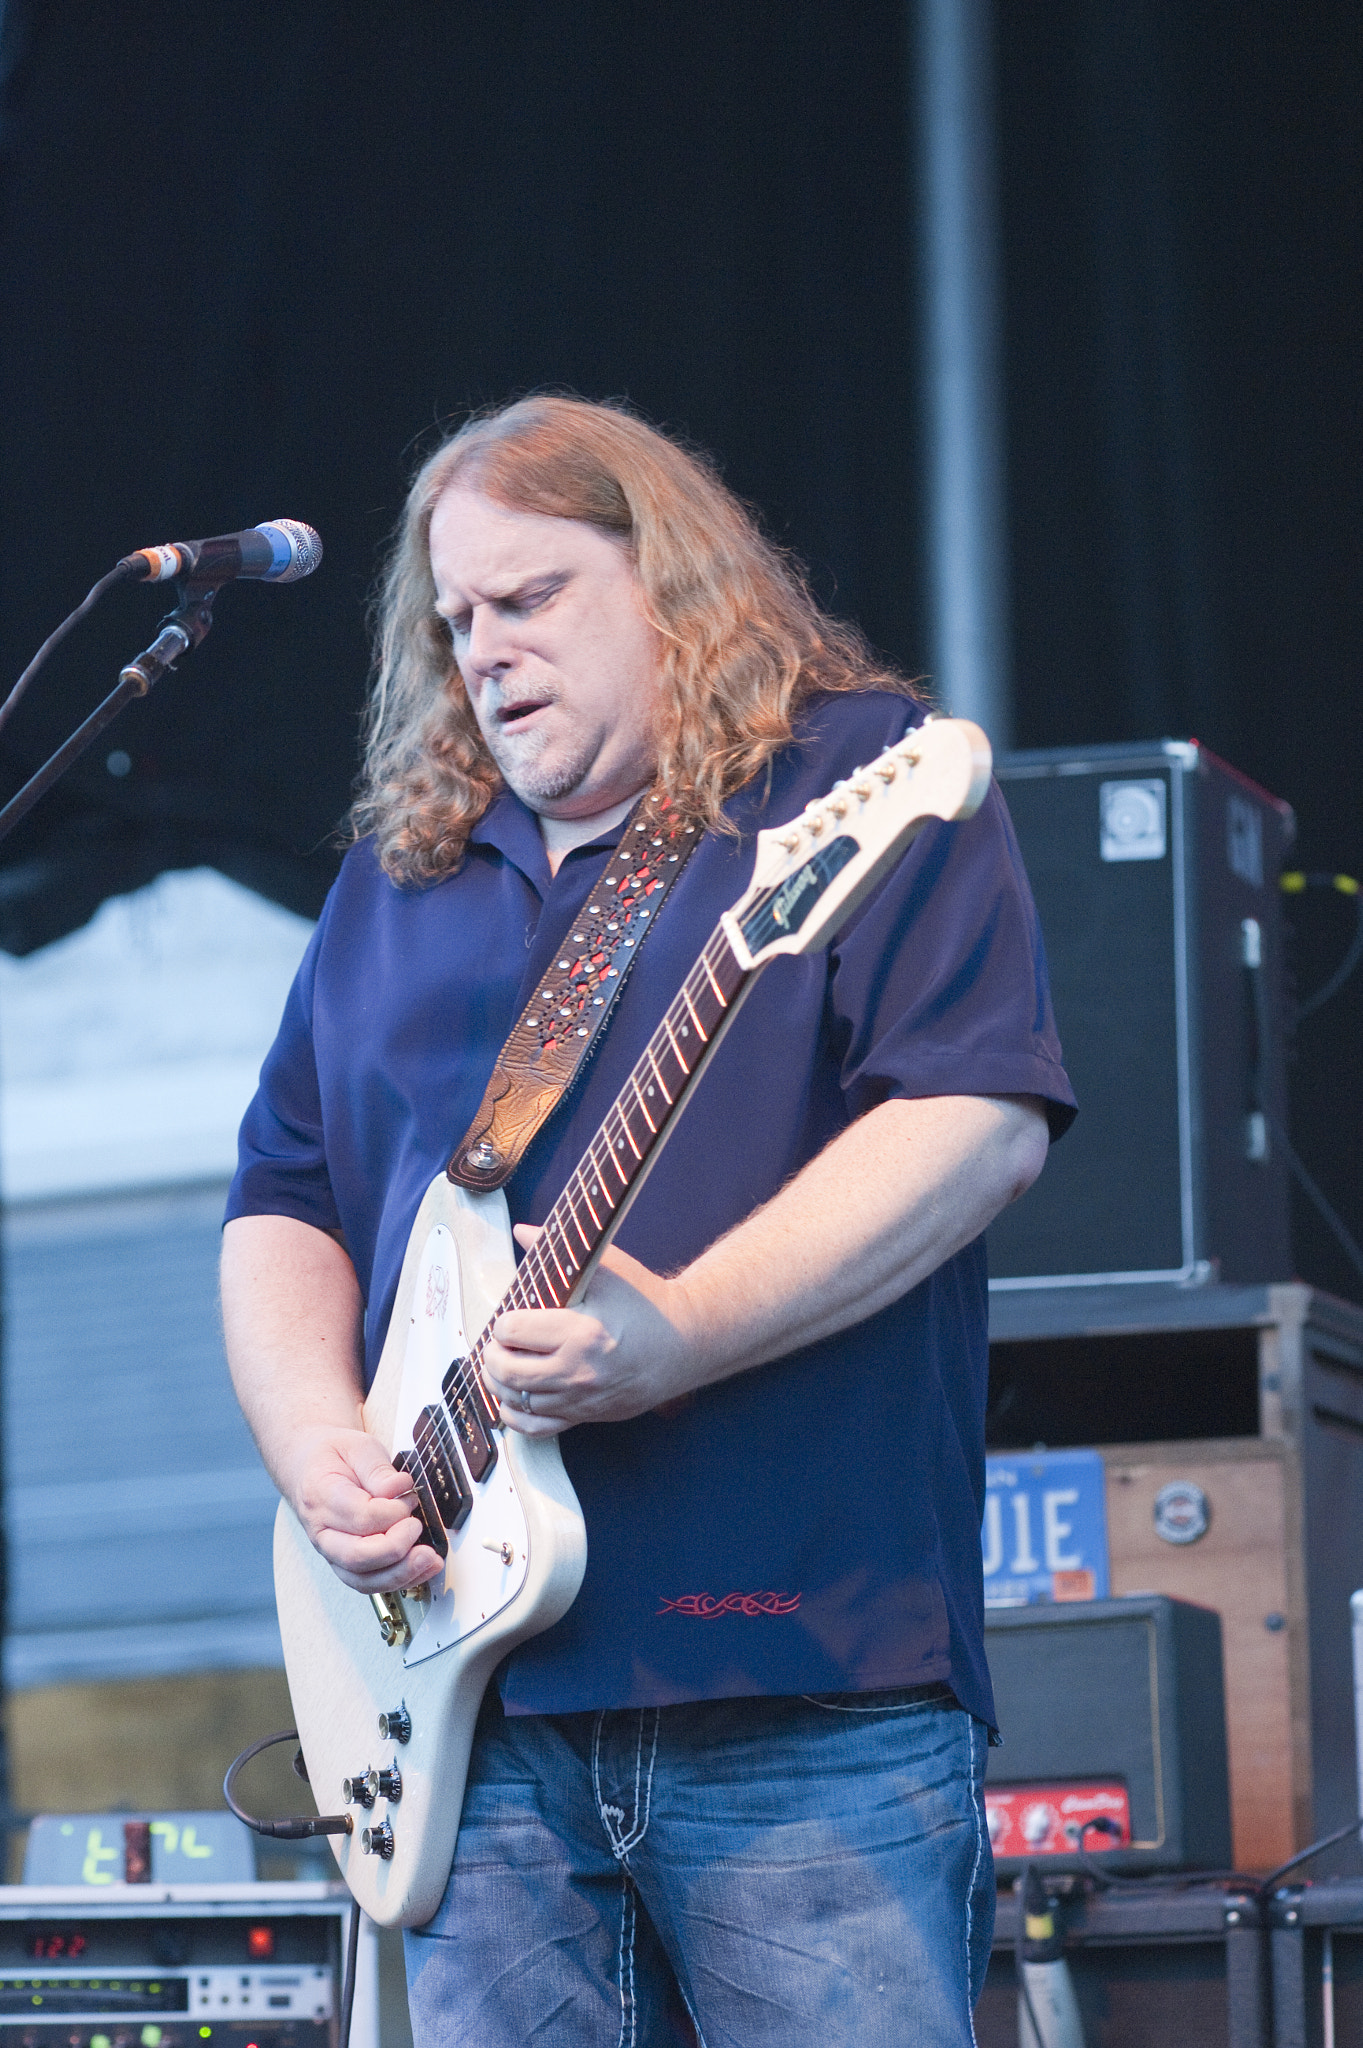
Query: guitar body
514	1567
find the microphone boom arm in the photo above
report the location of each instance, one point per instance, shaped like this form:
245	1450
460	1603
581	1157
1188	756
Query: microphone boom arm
186	626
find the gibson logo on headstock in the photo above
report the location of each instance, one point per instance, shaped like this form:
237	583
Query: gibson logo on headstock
789	895
785	909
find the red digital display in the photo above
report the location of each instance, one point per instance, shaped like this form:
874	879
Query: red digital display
61	1947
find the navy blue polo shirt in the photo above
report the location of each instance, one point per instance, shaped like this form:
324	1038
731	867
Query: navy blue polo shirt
809	1526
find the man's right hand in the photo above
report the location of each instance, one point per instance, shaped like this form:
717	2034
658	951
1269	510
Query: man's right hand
357	1510
293	1320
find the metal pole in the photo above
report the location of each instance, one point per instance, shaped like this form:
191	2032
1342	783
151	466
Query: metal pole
1356	1616
963	409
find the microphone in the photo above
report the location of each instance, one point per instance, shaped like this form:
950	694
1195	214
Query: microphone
279	551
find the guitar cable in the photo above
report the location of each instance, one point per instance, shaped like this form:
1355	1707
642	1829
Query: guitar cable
298	1827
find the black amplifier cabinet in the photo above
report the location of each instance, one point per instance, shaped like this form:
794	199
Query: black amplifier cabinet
1155	870
180	1966
1127	1693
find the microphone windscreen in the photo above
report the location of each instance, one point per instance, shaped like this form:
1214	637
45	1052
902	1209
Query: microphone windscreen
296	549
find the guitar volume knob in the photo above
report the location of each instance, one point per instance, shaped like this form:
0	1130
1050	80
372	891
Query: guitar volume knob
396	1725
378	1841
388	1784
360	1790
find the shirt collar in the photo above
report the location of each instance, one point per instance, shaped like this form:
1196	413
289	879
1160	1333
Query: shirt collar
510	828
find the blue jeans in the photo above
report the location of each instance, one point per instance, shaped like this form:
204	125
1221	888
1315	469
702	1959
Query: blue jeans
789	1872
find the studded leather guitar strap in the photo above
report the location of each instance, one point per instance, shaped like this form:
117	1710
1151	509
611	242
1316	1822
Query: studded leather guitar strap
569	1010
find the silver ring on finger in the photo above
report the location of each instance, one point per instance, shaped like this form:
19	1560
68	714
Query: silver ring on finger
526	1409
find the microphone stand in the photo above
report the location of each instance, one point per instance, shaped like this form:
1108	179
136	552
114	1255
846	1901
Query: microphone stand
186	626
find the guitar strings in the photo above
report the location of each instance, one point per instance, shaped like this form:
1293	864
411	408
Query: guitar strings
709	988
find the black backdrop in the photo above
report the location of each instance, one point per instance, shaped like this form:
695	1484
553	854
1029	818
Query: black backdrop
250	259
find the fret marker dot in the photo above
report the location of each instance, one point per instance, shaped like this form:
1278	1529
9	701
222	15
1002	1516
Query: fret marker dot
563	963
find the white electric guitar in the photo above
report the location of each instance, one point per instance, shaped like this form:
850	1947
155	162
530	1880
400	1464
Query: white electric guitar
387	1688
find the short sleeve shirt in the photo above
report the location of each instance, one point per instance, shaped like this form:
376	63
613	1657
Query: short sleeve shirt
814	1524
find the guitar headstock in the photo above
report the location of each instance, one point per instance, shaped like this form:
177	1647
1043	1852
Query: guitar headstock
810	874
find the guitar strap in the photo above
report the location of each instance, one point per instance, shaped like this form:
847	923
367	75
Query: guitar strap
569	1010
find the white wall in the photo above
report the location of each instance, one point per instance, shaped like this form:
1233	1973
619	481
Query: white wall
129	1050
137	1513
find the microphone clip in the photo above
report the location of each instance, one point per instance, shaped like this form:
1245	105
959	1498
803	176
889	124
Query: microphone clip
181	630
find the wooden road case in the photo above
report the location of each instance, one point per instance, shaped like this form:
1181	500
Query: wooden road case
1231	1423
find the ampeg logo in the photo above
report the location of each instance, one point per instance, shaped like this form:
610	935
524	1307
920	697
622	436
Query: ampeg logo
1131	820
1182	1512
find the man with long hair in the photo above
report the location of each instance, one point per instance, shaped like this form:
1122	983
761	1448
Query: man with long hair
741	1778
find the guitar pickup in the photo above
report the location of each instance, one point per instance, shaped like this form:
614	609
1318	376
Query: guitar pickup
438	1461
463	1384
480	1453
432	1528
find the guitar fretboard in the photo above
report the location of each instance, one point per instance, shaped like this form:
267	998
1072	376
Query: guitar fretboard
583	1219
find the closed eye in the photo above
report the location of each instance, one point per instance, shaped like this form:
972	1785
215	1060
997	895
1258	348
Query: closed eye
515	604
531	597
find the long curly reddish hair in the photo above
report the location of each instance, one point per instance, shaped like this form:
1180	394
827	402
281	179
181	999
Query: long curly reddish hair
743	641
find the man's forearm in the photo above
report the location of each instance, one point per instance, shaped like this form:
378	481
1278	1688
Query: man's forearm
292	1318
881	1207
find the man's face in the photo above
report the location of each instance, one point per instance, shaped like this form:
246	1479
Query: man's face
560	664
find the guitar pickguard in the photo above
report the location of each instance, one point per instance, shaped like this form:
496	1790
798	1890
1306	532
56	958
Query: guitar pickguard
490	1555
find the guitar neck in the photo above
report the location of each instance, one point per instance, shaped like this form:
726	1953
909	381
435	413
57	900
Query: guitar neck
591	1208
809	875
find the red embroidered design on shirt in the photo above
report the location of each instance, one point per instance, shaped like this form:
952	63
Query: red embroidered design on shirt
705	1607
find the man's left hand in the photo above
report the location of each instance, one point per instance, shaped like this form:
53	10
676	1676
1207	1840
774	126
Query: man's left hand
628	1350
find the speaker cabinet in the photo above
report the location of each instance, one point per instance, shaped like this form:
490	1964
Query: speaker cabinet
1155	870
1128	1691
